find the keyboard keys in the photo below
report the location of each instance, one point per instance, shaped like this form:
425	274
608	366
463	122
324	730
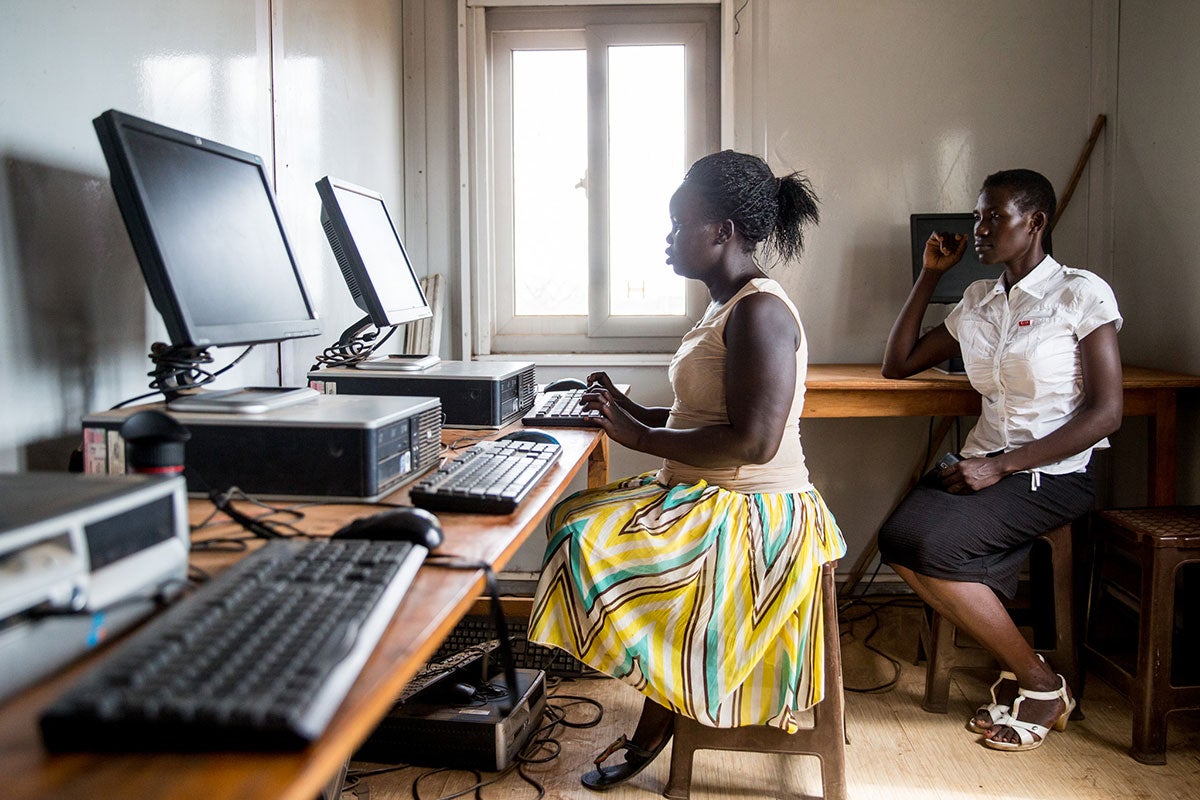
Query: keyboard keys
490	477
560	409
259	658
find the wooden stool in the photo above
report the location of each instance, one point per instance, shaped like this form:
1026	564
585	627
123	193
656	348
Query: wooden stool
826	739
939	637
1139	555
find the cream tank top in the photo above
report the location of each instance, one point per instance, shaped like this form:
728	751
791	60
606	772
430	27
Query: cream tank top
697	374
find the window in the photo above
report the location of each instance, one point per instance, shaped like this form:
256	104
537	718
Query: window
583	121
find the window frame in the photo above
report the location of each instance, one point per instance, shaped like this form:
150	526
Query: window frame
496	331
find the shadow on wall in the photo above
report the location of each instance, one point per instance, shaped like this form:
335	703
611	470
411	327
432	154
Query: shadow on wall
81	322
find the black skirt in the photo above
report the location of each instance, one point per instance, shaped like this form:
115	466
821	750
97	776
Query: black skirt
983	537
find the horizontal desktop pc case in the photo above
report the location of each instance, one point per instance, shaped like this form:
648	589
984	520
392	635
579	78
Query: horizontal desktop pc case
474	394
438	727
349	448
82	557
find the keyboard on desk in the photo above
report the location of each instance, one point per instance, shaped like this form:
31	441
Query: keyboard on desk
559	409
259	658
490	477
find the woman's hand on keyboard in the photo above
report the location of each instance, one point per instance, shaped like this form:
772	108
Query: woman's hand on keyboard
649	417
620	426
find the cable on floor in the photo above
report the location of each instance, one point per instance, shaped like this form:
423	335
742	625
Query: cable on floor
542	748
872	612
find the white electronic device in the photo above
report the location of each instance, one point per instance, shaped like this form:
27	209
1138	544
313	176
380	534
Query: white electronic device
82	557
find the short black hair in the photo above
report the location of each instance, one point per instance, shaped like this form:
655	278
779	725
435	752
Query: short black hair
1030	190
742	188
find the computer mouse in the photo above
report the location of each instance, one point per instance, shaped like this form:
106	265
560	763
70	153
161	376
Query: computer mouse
564	385
406	524
463	692
529	435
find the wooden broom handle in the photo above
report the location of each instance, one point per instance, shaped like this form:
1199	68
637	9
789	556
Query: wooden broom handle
1097	127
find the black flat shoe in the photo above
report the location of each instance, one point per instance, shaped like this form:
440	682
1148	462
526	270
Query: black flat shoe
601	779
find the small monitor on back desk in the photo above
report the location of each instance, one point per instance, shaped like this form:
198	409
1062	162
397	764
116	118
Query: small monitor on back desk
956	280
952	284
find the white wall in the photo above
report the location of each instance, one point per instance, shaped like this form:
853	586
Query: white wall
1157	194
314	90
339	111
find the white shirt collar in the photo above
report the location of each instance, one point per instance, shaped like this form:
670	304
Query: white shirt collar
1033	284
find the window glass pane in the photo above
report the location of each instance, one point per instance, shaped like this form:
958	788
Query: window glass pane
550	233
646	161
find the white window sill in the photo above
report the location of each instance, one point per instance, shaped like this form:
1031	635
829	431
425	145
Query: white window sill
584	359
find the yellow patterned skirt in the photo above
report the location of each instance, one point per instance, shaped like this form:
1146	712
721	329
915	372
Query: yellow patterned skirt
705	600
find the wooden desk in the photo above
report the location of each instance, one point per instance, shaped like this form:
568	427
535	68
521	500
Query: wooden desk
858	390
437	600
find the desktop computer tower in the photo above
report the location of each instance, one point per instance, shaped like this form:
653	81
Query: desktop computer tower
352	448
439	728
82	558
474	394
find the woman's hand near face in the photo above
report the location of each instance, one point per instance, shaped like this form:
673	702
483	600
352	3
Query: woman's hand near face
908	351
943	251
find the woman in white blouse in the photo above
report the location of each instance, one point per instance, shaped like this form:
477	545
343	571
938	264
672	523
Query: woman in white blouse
1040	345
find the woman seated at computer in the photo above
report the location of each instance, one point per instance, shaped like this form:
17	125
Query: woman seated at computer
1040	346
698	584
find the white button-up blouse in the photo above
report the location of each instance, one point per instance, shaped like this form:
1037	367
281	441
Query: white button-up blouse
1021	353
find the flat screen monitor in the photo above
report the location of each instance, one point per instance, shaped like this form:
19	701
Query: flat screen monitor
370	253
952	285
208	236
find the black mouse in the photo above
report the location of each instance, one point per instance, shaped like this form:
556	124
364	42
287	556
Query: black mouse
463	693
529	435
564	385
414	525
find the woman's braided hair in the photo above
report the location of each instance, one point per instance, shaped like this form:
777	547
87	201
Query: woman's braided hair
741	187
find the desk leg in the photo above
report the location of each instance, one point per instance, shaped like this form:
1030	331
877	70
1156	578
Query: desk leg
1161	488
597	468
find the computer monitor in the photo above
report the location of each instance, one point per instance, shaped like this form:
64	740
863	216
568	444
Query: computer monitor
373	262
209	239
952	285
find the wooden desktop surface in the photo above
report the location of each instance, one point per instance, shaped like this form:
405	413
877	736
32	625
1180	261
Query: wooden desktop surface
435	603
859	390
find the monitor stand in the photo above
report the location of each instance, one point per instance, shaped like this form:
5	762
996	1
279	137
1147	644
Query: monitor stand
399	362
249	400
179	375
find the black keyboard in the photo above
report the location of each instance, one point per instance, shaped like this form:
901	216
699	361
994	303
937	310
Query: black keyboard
260	658
490	477
479	632
559	409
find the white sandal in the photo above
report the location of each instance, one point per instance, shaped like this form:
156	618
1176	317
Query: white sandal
997	711
1030	734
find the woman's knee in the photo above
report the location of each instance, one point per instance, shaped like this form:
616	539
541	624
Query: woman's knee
914	547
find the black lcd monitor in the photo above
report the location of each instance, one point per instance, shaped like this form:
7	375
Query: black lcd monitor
208	236
374	264
952	285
